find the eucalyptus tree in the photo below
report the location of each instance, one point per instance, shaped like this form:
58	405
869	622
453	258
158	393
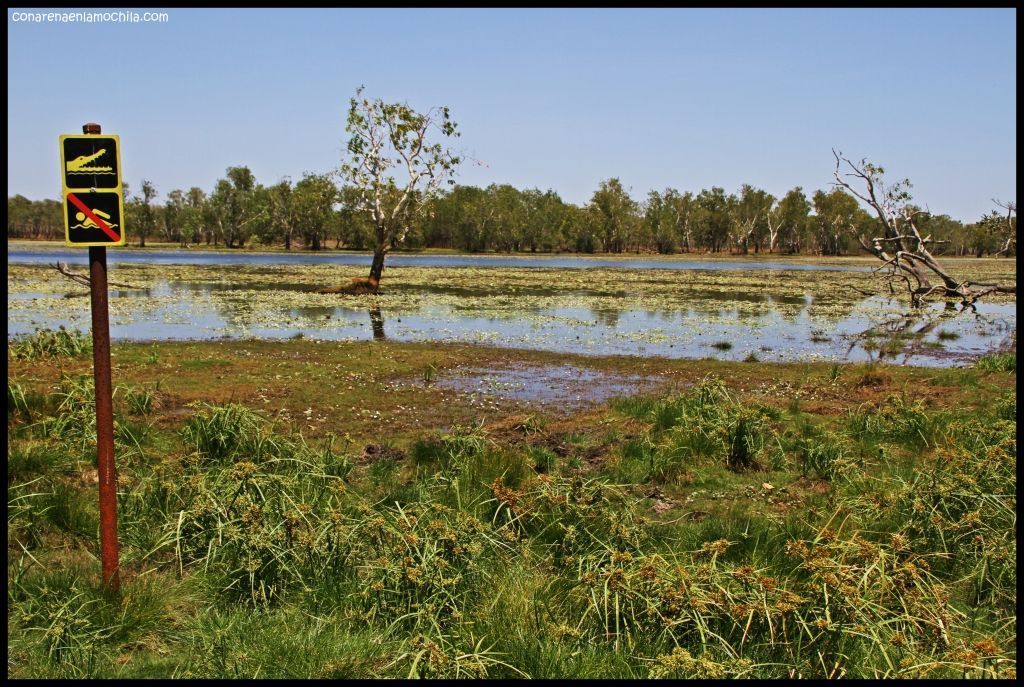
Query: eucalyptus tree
279	224
659	222
897	240
617	214
751	217
394	159
234	206
790	221
468	212
835	212
713	218
546	220
313	206
192	220
1009	225
174	211
668	217
506	211
145	217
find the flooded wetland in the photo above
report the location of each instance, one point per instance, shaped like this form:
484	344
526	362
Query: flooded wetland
769	310
514	453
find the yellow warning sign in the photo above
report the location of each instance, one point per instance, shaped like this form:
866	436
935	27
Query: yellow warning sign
90	169
90	162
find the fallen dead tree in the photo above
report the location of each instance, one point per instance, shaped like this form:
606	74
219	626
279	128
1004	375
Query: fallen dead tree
901	247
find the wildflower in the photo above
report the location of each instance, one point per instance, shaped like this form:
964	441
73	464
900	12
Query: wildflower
797	548
962	656
987	647
719	546
739	611
621	557
744	573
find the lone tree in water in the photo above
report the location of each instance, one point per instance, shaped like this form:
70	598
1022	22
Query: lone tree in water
899	243
392	140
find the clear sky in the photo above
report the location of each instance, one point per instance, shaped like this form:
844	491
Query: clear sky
556	99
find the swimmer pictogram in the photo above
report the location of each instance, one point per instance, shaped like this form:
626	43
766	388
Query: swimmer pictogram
94	219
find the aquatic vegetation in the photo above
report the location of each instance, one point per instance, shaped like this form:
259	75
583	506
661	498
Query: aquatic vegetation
999	362
58	343
798	314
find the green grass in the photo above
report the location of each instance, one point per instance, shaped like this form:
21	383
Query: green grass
52	343
1000	362
702	533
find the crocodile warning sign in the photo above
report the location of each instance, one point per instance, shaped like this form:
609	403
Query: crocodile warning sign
90	162
93	196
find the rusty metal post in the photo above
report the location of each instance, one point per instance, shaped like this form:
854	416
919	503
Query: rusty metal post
104	409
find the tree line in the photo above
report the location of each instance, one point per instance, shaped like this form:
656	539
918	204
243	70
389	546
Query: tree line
317	213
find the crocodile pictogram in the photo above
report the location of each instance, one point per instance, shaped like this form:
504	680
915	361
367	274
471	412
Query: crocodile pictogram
77	166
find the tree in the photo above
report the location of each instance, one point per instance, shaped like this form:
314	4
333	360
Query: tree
1009	234
192	220
233	207
752	217
790	221
389	139
146	219
712	220
280	221
313	207
617	213
900	245
666	216
834	213
174	212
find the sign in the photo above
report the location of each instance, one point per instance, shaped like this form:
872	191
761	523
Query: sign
93	196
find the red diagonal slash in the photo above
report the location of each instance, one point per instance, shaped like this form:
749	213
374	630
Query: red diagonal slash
91	215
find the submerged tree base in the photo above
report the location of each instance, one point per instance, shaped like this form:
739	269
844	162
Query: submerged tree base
358	286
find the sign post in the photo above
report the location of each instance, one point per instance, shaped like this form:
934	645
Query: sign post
94	217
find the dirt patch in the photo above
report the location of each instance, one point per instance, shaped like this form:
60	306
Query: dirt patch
374	453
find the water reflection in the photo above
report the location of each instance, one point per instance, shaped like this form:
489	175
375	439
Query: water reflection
18	254
376	321
696	323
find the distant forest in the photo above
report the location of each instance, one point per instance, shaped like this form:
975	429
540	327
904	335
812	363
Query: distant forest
314	213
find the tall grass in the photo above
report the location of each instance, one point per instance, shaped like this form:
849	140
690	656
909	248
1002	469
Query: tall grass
250	551
51	343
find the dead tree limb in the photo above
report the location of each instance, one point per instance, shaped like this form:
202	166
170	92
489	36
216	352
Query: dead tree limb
901	248
1011	230
82	279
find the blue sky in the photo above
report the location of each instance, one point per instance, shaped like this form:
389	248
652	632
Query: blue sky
555	99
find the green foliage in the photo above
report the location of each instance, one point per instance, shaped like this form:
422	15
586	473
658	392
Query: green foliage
705	423
249	551
896	419
827	455
220	432
49	343
999	362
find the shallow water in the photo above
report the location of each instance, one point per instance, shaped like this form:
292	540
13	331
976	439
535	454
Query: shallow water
563	387
726	314
172	257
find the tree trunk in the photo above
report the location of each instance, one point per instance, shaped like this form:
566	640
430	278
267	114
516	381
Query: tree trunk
377	266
